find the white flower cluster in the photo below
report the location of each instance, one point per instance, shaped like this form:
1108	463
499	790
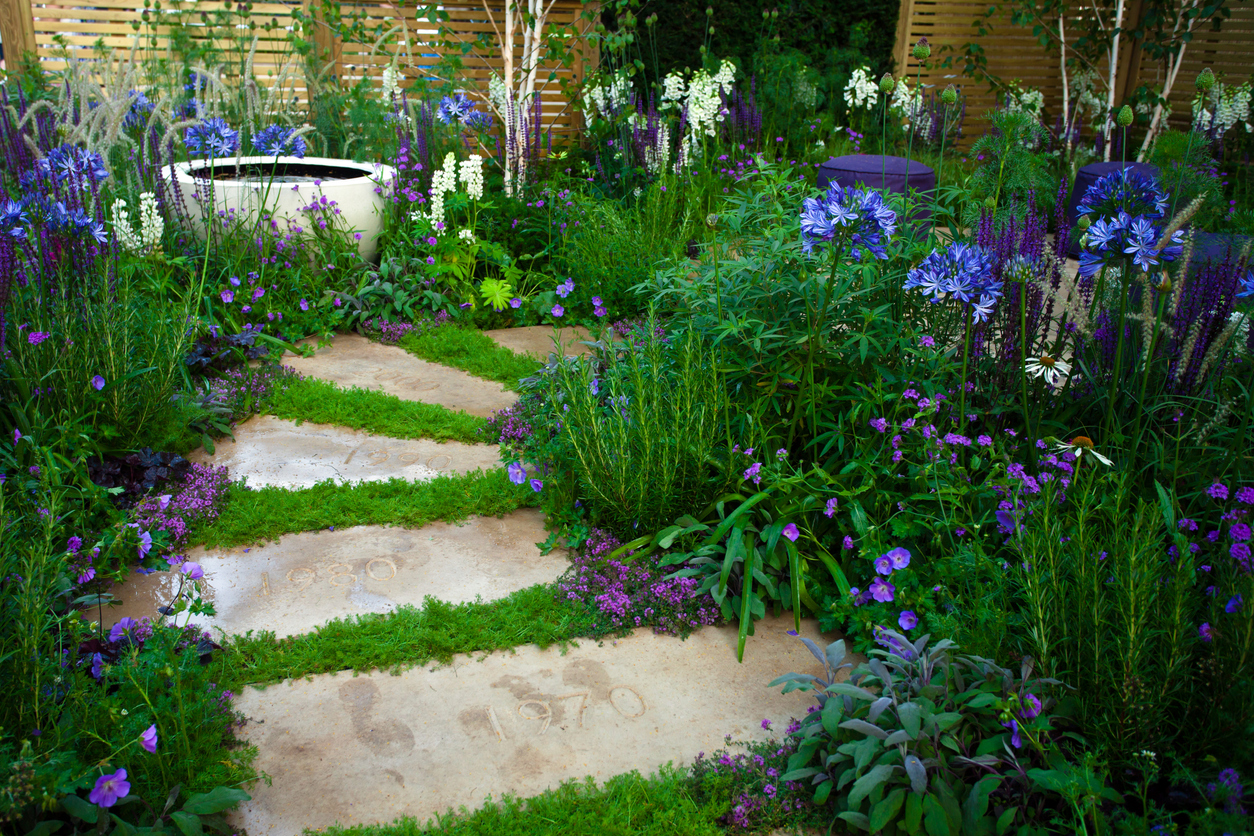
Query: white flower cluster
1229	106
497	93
472	176
1030	101
467	235
703	101
672	91
861	91
151	225
442	181
658	157
391	89
609	99
804	91
906	102
1084	86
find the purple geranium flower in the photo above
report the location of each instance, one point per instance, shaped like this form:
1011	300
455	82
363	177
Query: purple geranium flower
98	383
790	531
149	739
517	473
884	565
900	557
882	590
907	620
194	571
537	485
109	788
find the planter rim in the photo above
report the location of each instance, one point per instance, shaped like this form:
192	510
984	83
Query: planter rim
369	171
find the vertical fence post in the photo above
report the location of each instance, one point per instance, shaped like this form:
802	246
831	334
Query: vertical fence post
328	44
17	31
902	48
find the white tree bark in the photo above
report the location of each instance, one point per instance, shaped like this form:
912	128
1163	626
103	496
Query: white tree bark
1110	84
1173	71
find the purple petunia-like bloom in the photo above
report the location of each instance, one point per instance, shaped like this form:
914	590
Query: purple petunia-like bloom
829	510
882	591
1234	604
98	383
883	565
148	739
227	297
900	557
120	629
790	531
849	215
537	485
1031	707
109	788
517	473
907	620
194	571
558	310
1206	632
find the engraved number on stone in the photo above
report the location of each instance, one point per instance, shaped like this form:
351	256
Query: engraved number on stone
308	578
439	462
496	723
386	375
265	583
583	702
352	579
370	570
410	458
378	456
546	716
627	702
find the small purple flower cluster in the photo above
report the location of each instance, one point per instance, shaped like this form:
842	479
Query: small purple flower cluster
1226	791
198	499
635	594
390	333
510	427
759	799
242	389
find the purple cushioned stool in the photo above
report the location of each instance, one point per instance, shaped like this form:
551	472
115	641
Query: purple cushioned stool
1084	179
880	172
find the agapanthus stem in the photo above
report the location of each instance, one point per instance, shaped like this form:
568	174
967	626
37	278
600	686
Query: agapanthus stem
966	353
1117	369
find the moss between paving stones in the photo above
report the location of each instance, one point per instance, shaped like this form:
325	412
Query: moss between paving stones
323	402
471	350
253	516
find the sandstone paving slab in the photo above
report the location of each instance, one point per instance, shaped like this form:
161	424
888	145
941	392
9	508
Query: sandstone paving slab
305	580
353	360
269	451
538	340
365	749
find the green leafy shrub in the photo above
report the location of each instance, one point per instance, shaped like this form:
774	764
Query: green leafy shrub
920	739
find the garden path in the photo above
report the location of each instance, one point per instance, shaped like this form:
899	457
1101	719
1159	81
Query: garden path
366	749
273	452
353	360
537	340
308	578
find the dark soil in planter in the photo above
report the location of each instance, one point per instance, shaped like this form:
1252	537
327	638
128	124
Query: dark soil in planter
281	172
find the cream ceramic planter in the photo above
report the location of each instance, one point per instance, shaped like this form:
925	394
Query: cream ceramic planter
357	189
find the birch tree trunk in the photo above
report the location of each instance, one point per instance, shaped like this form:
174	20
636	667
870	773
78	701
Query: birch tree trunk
1110	85
1173	71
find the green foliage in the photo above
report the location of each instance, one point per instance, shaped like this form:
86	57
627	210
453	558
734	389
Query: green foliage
1014	168
627	805
922	736
1115	593
472	351
256	516
378	413
640	429
1184	165
409	636
617	246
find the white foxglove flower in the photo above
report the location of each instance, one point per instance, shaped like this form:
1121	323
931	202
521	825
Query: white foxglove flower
862	91
472	176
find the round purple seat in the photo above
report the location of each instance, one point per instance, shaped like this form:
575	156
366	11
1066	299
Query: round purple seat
1084	180
894	174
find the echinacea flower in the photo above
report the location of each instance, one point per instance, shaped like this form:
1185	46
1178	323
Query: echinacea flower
1047	367
109	788
1081	445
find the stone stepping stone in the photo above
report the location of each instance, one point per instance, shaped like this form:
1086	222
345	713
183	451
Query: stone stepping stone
269	451
307	579
365	749
537	340
353	360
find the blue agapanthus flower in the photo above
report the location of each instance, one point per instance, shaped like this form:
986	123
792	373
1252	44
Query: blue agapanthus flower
959	271
1124	237
277	141
1126	190
1246	285
477	120
68	221
454	108
212	137
141	108
69	162
848	214
13	219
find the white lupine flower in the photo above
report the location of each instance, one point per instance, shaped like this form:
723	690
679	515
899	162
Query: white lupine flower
444	180
151	224
909	105
861	91
467	235
497	93
472	176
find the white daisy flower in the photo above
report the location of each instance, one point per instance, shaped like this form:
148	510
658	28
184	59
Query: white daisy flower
1081	445
1047	367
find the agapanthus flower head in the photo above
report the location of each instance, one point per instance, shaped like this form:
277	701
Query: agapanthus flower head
73	163
1126	190
1245	285
141	108
13	219
454	108
277	141
1115	238
858	217
212	138
477	120
961	271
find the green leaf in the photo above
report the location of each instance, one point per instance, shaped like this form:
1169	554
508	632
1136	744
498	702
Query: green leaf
215	801
863	786
914	814
746	611
831	715
869	729
188	823
885	811
858	820
823	791
1006	819
45	827
934	820
975	805
860	523
848	689
80	808
911	714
